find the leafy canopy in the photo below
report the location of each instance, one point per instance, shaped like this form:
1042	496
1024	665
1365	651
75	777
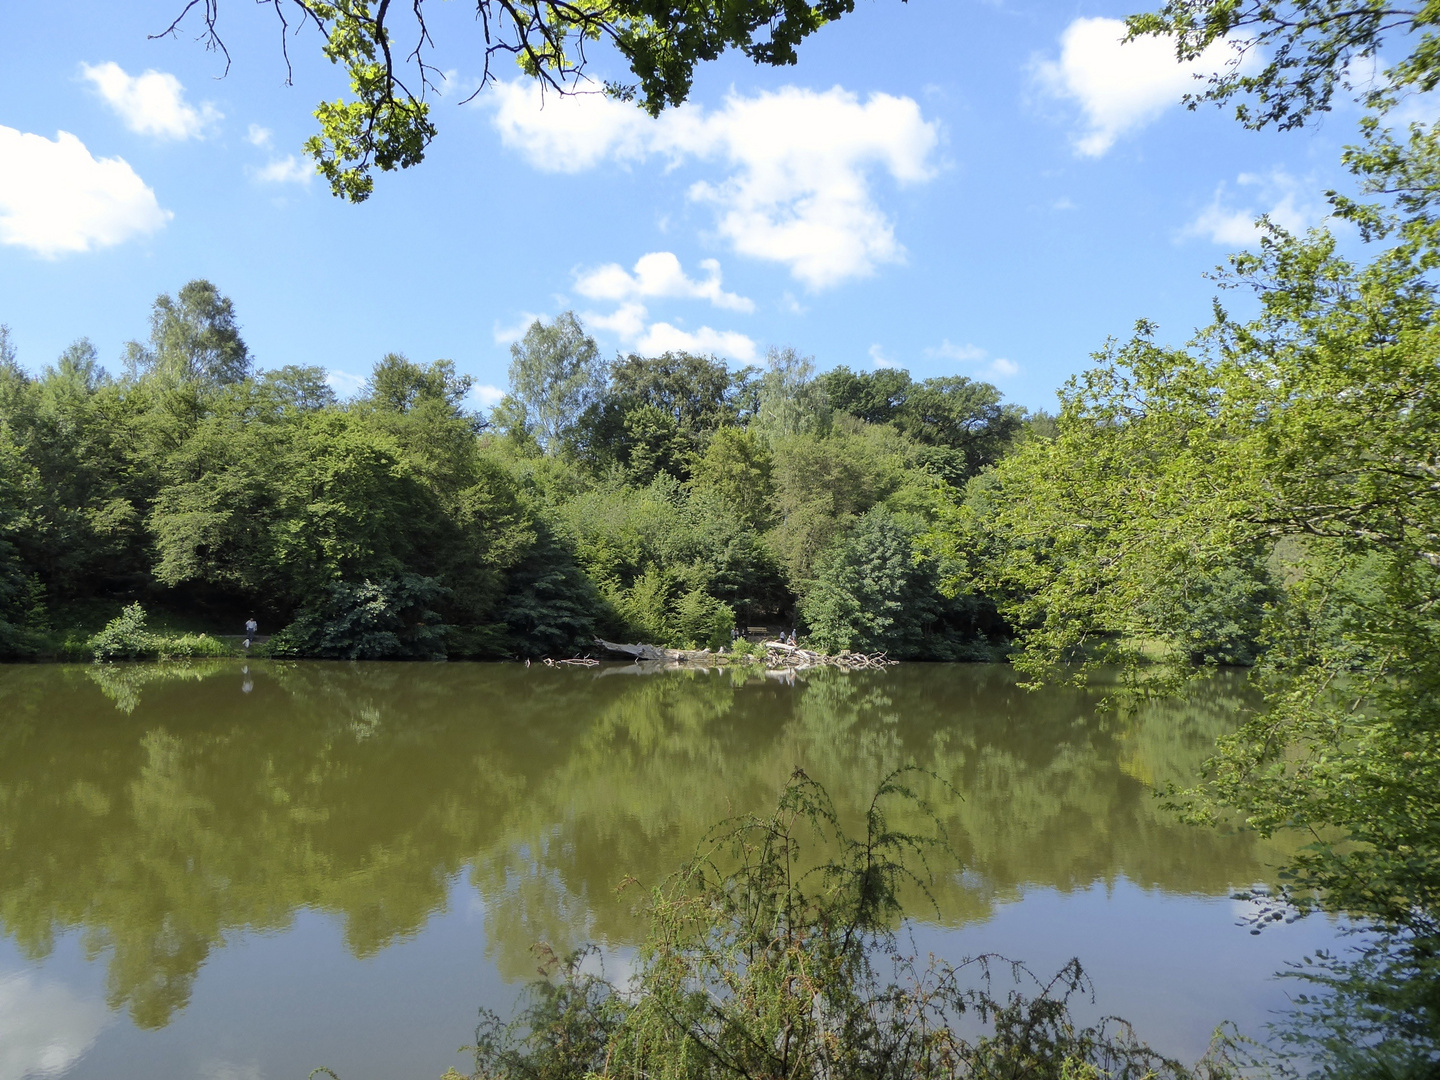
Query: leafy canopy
385	49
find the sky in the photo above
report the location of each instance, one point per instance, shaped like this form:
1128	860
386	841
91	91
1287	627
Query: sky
988	188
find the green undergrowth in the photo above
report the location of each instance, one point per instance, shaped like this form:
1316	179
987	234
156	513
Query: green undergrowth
774	952
127	637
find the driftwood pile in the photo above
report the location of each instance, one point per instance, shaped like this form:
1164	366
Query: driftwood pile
779	656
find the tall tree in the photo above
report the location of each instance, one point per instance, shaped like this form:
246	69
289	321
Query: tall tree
555	373
1309	435
194	338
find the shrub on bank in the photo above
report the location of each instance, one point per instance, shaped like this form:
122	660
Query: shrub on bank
773	954
126	637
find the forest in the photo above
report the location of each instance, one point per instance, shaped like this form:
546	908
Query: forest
659	499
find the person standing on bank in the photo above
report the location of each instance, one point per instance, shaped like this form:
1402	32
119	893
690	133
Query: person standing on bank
251	627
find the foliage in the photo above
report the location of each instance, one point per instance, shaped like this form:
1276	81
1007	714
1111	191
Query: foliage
193	338
1304	50
554	375
126	637
387	122
656	498
764	959
390	619
655	414
789	401
822	485
737	467
874	593
951	413
1306	434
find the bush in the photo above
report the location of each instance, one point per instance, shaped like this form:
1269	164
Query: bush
190	646
772	967
703	621
124	637
368	620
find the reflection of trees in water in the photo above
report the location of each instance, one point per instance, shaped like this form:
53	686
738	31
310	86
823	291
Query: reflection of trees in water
363	789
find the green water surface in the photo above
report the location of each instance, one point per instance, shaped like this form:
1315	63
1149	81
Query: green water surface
238	873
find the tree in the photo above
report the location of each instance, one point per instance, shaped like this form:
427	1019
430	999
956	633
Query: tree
555	373
654	414
951	413
388	123
874	593
789	399
194	338
1307	434
1307	49
737	466
398	385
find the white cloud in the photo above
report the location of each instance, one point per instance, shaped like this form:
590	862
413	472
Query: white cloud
56	198
504	335
150	104
626	322
1277	194
662	337
218	1069
658	274
344	383
878	357
946	351
44	1027
799	164
288	170
258	136
997	368
630	322
1122	87
487	396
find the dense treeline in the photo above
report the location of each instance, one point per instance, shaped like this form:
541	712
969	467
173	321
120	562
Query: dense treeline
657	498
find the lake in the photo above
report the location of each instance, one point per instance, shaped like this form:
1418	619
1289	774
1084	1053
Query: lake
234	872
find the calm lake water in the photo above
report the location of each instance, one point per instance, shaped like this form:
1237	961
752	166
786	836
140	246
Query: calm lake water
234	873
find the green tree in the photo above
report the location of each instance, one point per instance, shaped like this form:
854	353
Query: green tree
960	418
789	399
1305	50
555	373
655	414
194	338
1312	425
387	121
737	466
398	385
821	486
873	592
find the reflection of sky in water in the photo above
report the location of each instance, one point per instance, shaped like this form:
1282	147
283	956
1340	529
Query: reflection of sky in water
273	1006
45	1027
272	868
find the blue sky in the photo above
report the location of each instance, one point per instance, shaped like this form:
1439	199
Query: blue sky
953	187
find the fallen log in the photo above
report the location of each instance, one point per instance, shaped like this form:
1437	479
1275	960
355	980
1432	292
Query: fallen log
791	657
797	657
639	652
